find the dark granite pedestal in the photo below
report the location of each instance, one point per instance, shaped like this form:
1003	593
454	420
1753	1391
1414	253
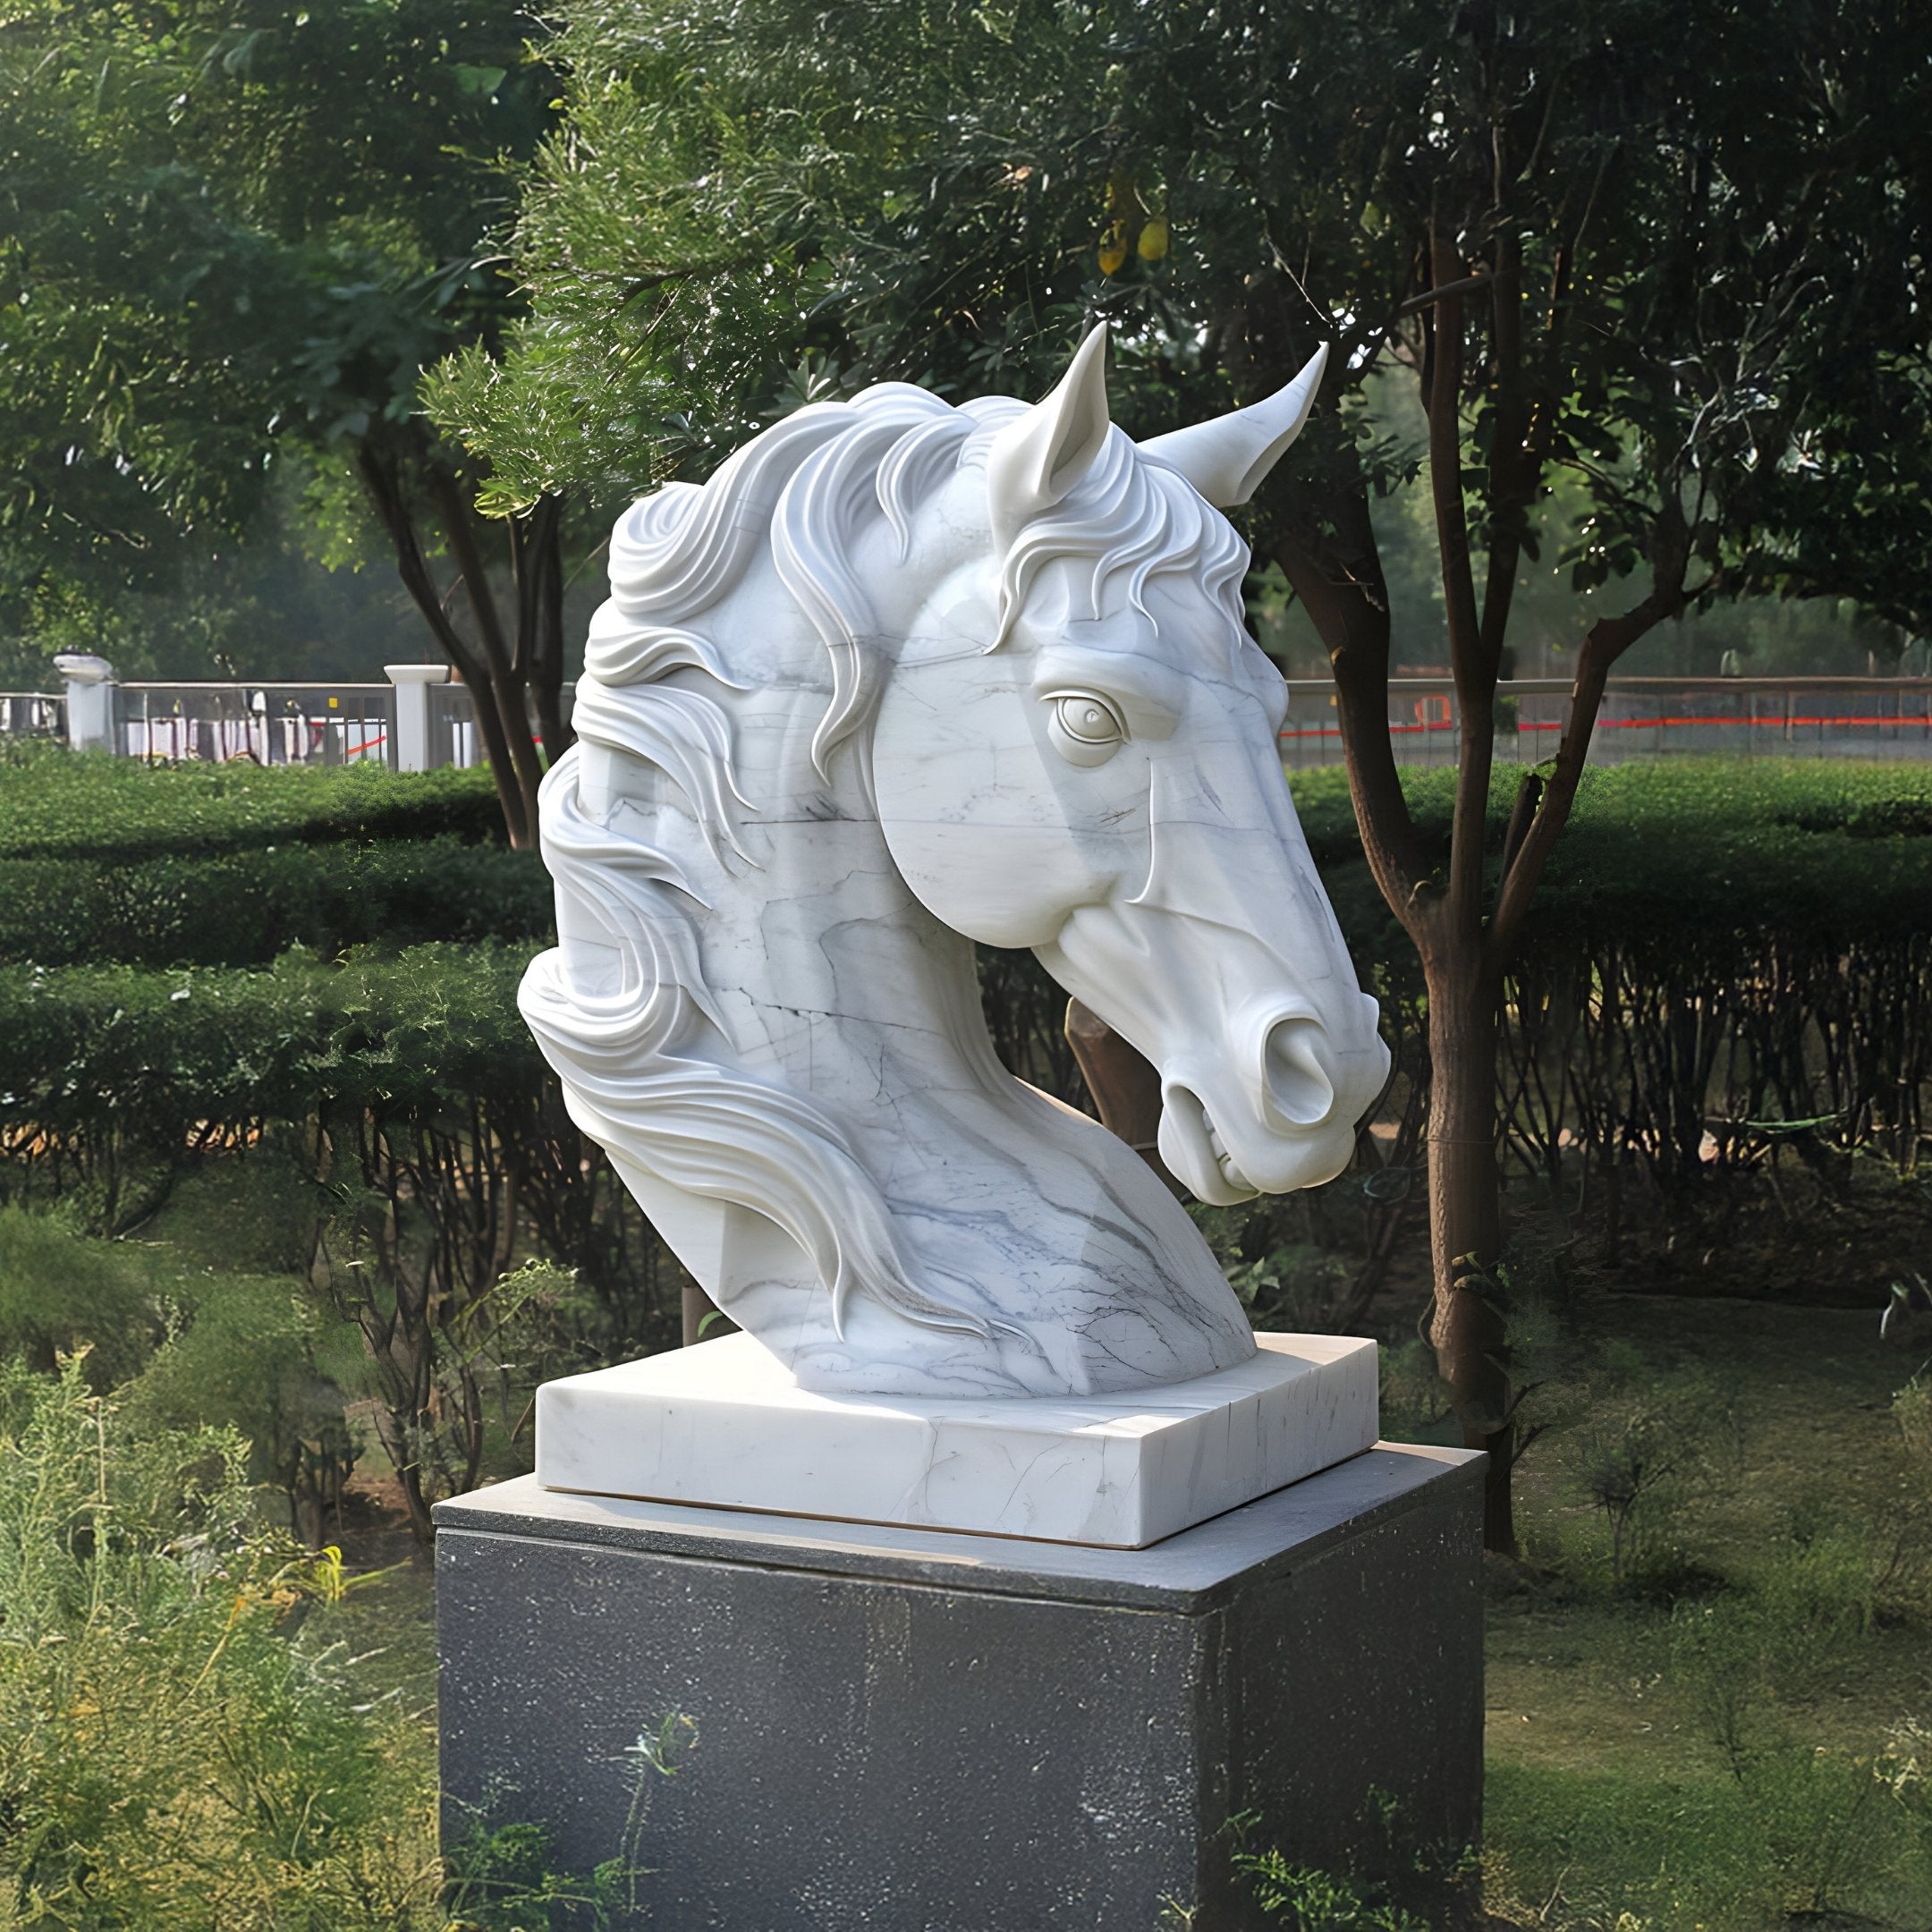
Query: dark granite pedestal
907	1731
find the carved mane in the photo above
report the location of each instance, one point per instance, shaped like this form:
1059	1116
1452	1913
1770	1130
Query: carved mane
648	1063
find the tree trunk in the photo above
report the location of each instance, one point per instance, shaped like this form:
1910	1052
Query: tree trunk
1467	1328
507	665
537	566
385	473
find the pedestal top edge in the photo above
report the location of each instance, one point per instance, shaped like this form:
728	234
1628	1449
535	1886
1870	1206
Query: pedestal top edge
1188	1571
739	1371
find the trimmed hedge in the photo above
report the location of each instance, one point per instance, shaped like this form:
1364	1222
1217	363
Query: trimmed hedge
248	908
1693	849
1686	795
1720	945
54	804
152	1054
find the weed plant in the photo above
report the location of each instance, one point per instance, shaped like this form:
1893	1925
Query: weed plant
180	1743
172	1753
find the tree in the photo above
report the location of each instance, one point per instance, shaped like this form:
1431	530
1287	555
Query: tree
234	235
1635	245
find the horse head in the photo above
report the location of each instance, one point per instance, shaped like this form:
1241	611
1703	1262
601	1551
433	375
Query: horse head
1078	753
899	678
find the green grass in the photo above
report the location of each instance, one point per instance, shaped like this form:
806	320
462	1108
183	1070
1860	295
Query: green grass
1611	1789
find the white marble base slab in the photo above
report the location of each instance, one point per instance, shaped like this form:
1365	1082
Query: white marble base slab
722	1425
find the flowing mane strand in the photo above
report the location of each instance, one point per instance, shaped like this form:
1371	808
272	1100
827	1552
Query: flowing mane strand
644	1055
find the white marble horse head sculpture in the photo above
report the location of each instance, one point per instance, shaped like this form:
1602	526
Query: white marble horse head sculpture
899	678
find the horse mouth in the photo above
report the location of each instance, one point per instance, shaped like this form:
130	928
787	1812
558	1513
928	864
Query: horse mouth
1198	1155
1224	1161
1195	1152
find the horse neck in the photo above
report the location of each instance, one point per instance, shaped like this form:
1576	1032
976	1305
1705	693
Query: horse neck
832	975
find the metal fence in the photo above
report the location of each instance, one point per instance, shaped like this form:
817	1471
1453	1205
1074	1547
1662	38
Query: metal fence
294	724
32	715
265	724
315	724
1639	718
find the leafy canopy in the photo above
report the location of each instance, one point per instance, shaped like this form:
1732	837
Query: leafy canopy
230	232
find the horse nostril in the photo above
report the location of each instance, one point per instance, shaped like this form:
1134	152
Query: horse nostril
1298	1084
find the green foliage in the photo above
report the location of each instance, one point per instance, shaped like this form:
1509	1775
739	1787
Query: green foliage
235	237
180	1743
333	1163
114	1081
750	204
191	1348
56	805
1646	1456
1308	1901
1415	1887
1415	1405
1751	840
502	1880
259	1355
230	227
268	607
204	865
246	909
1736	1736
1284	1279
60	1294
101	1058
1617	1850
1760	994
167	1754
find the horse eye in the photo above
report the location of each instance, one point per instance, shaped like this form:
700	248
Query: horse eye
1088	720
1085	729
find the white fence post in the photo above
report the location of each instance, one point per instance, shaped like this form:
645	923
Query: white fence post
91	695
412	682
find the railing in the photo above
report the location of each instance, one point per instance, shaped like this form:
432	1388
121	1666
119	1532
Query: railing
1639	718
32	715
420	720
267	724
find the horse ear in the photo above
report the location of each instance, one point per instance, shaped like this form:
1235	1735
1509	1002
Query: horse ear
1226	460
1040	457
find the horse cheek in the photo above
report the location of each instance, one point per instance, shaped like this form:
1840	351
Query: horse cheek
969	820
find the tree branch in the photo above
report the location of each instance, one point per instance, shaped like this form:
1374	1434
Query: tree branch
504	688
1338	579
1514	470
1475	677
381	472
1604	643
1465	285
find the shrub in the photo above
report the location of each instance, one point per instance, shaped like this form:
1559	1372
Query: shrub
264	1358
1642	1461
405	1098
60	1294
54	804
178	1746
112	1079
246	908
167	1756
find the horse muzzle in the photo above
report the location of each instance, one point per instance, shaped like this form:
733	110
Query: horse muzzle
1280	1113
1247	1004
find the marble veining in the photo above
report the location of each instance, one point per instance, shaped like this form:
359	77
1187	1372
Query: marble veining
899	678
724	1425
